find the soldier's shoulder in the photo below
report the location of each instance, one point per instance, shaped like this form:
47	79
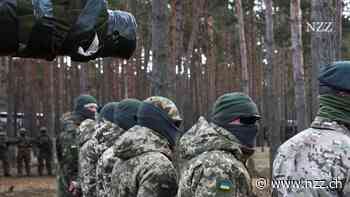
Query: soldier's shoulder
326	137
152	161
218	167
202	126
221	160
87	126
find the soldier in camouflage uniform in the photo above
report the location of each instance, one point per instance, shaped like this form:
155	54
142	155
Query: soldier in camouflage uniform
44	144
319	157
146	152
4	144
24	148
90	144
211	156
125	118
85	107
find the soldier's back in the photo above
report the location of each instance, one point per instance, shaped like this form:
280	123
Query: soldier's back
145	168
318	158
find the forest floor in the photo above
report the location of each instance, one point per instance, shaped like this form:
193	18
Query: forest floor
45	186
27	186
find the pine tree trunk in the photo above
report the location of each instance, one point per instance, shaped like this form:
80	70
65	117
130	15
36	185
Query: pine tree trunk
11	97
338	28
243	47
323	44
298	64
159	47
271	104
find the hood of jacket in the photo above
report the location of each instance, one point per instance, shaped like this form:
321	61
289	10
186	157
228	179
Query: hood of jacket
204	137
139	140
106	133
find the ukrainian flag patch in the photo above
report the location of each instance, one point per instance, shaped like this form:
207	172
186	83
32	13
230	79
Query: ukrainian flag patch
225	185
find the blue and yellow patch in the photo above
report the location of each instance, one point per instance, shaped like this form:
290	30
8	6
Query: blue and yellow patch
225	185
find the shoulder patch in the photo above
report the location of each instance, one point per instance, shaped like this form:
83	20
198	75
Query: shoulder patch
225	185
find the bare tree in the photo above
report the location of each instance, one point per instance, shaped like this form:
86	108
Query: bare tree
11	98
298	64
271	104
338	27
243	47
323	42
159	47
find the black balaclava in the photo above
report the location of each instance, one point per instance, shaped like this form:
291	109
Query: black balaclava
236	105
154	118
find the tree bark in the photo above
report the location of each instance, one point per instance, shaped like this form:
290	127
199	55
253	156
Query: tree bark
323	44
243	47
159	47
271	104
11	98
338	28
298	64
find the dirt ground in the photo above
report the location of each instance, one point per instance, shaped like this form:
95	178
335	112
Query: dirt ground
45	186
27	186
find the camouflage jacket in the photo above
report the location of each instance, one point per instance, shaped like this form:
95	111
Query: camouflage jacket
106	160
317	160
24	144
92	145
67	153
104	172
210	163
145	168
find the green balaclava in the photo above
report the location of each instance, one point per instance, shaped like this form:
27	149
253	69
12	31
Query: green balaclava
79	106
126	113
335	92
335	107
233	105
107	111
236	105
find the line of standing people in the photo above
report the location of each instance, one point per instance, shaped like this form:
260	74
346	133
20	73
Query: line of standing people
25	145
134	148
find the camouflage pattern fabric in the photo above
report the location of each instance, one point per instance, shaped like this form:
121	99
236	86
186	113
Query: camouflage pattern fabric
67	153
146	168
87	151
166	105
104	172
210	163
319	155
24	148
103	136
106	160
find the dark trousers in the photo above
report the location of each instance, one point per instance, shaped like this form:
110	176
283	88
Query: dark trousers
44	161
23	157
5	166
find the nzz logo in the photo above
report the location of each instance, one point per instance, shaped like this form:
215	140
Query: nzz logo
320	27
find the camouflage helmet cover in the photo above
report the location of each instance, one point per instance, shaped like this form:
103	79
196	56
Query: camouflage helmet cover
166	105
